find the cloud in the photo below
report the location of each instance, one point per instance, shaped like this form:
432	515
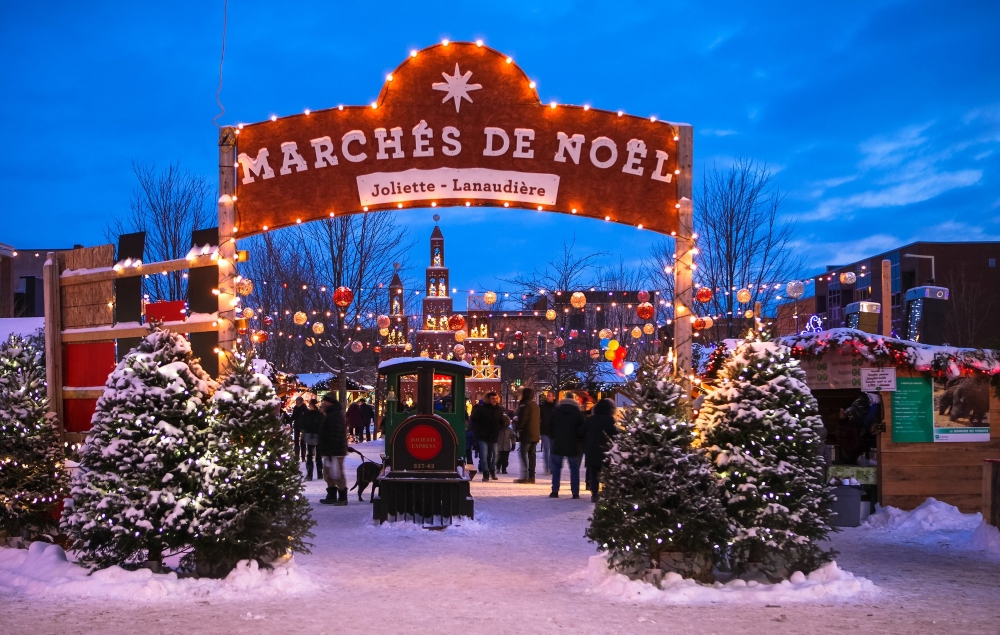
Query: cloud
715	132
821	254
884	152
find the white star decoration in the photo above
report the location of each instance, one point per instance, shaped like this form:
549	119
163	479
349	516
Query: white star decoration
457	85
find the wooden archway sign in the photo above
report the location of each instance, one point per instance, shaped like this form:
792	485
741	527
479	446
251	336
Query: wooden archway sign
457	124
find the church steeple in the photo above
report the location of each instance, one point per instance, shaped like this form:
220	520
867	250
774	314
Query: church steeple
396	298
437	301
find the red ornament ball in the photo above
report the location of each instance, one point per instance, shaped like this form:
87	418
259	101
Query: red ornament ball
268	320
456	322
259	337
699	324
645	311
704	295
644	296
500	346
518	335
343	297
574	333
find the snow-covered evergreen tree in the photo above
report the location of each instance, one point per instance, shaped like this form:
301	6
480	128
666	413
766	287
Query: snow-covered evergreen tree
32	471
761	427
660	507
144	478
260	509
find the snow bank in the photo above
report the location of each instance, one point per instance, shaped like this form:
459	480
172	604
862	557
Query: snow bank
828	583
44	570
460	526
932	515
986	537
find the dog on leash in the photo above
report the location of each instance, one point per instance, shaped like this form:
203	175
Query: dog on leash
368	473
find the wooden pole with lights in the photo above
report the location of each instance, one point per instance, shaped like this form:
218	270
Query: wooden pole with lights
684	246
53	342
886	297
227	245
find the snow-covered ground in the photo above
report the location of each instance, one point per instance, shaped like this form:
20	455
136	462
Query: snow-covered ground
523	566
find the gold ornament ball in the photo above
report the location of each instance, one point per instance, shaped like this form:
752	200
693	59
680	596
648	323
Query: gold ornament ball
848	277
636	332
550	315
383	332
709	322
249	313
244	287
606	334
460	335
510	355
425	354
318	328
408	347
743	296
578	300
594	353
300	318
357	347
648	329
382	321
310	341
748	314
459	351
489	298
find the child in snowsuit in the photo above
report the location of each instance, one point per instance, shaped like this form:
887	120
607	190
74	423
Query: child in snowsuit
505	444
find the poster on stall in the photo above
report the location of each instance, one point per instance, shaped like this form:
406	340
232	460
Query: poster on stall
962	409
913	410
833	371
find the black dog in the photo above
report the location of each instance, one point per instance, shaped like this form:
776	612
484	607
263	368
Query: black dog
368	473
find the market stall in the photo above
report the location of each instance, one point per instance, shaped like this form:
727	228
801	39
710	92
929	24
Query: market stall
911	421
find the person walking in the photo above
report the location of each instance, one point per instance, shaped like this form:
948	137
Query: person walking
367	419
546	409
353	417
529	432
505	445
311	420
601	430
568	434
487	421
296	418
332	449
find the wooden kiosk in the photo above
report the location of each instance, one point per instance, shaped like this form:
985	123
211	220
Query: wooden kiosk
941	412
424	479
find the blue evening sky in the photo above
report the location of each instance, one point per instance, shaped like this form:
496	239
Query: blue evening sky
880	119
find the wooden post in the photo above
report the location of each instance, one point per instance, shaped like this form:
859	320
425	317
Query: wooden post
684	247
53	338
886	297
227	245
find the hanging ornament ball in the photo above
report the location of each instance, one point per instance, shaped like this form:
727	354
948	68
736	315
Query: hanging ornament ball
709	322
467	358
249	313
848	277
310	341
343	297
699	323
645	311
318	328
609	355
244	287
636	332
460	335
613	345
648	328
795	289
703	295
382	321
644	296
489	298
500	346
456	322
748	314
578	300
743	296
377	349
594	353
574	333
510	355
260	336
559	342
550	315
518	335
383	332
407	347
657	343
268	320
242	330
424	354
459	351
606	334
300	318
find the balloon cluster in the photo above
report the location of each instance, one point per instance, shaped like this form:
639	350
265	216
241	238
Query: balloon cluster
615	353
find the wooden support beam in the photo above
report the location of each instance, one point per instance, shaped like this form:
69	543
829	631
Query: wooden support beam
108	333
684	246
886	297
110	273
227	244
82	393
53	343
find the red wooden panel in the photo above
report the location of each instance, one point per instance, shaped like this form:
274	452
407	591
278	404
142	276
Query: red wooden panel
165	311
78	413
87	364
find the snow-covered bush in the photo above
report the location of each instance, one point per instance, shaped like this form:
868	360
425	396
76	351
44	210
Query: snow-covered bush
145	479
32	473
761	427
660	509
258	510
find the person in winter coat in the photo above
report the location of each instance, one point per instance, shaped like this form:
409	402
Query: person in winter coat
600	431
505	444
568	433
353	418
310	423
297	412
545	410
332	449
367	419
487	421
529	431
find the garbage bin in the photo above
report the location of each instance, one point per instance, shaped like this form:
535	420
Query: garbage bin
847	506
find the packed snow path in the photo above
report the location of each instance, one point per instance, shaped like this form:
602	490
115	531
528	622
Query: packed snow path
519	568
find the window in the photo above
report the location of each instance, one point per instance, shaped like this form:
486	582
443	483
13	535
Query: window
444	393
993	262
